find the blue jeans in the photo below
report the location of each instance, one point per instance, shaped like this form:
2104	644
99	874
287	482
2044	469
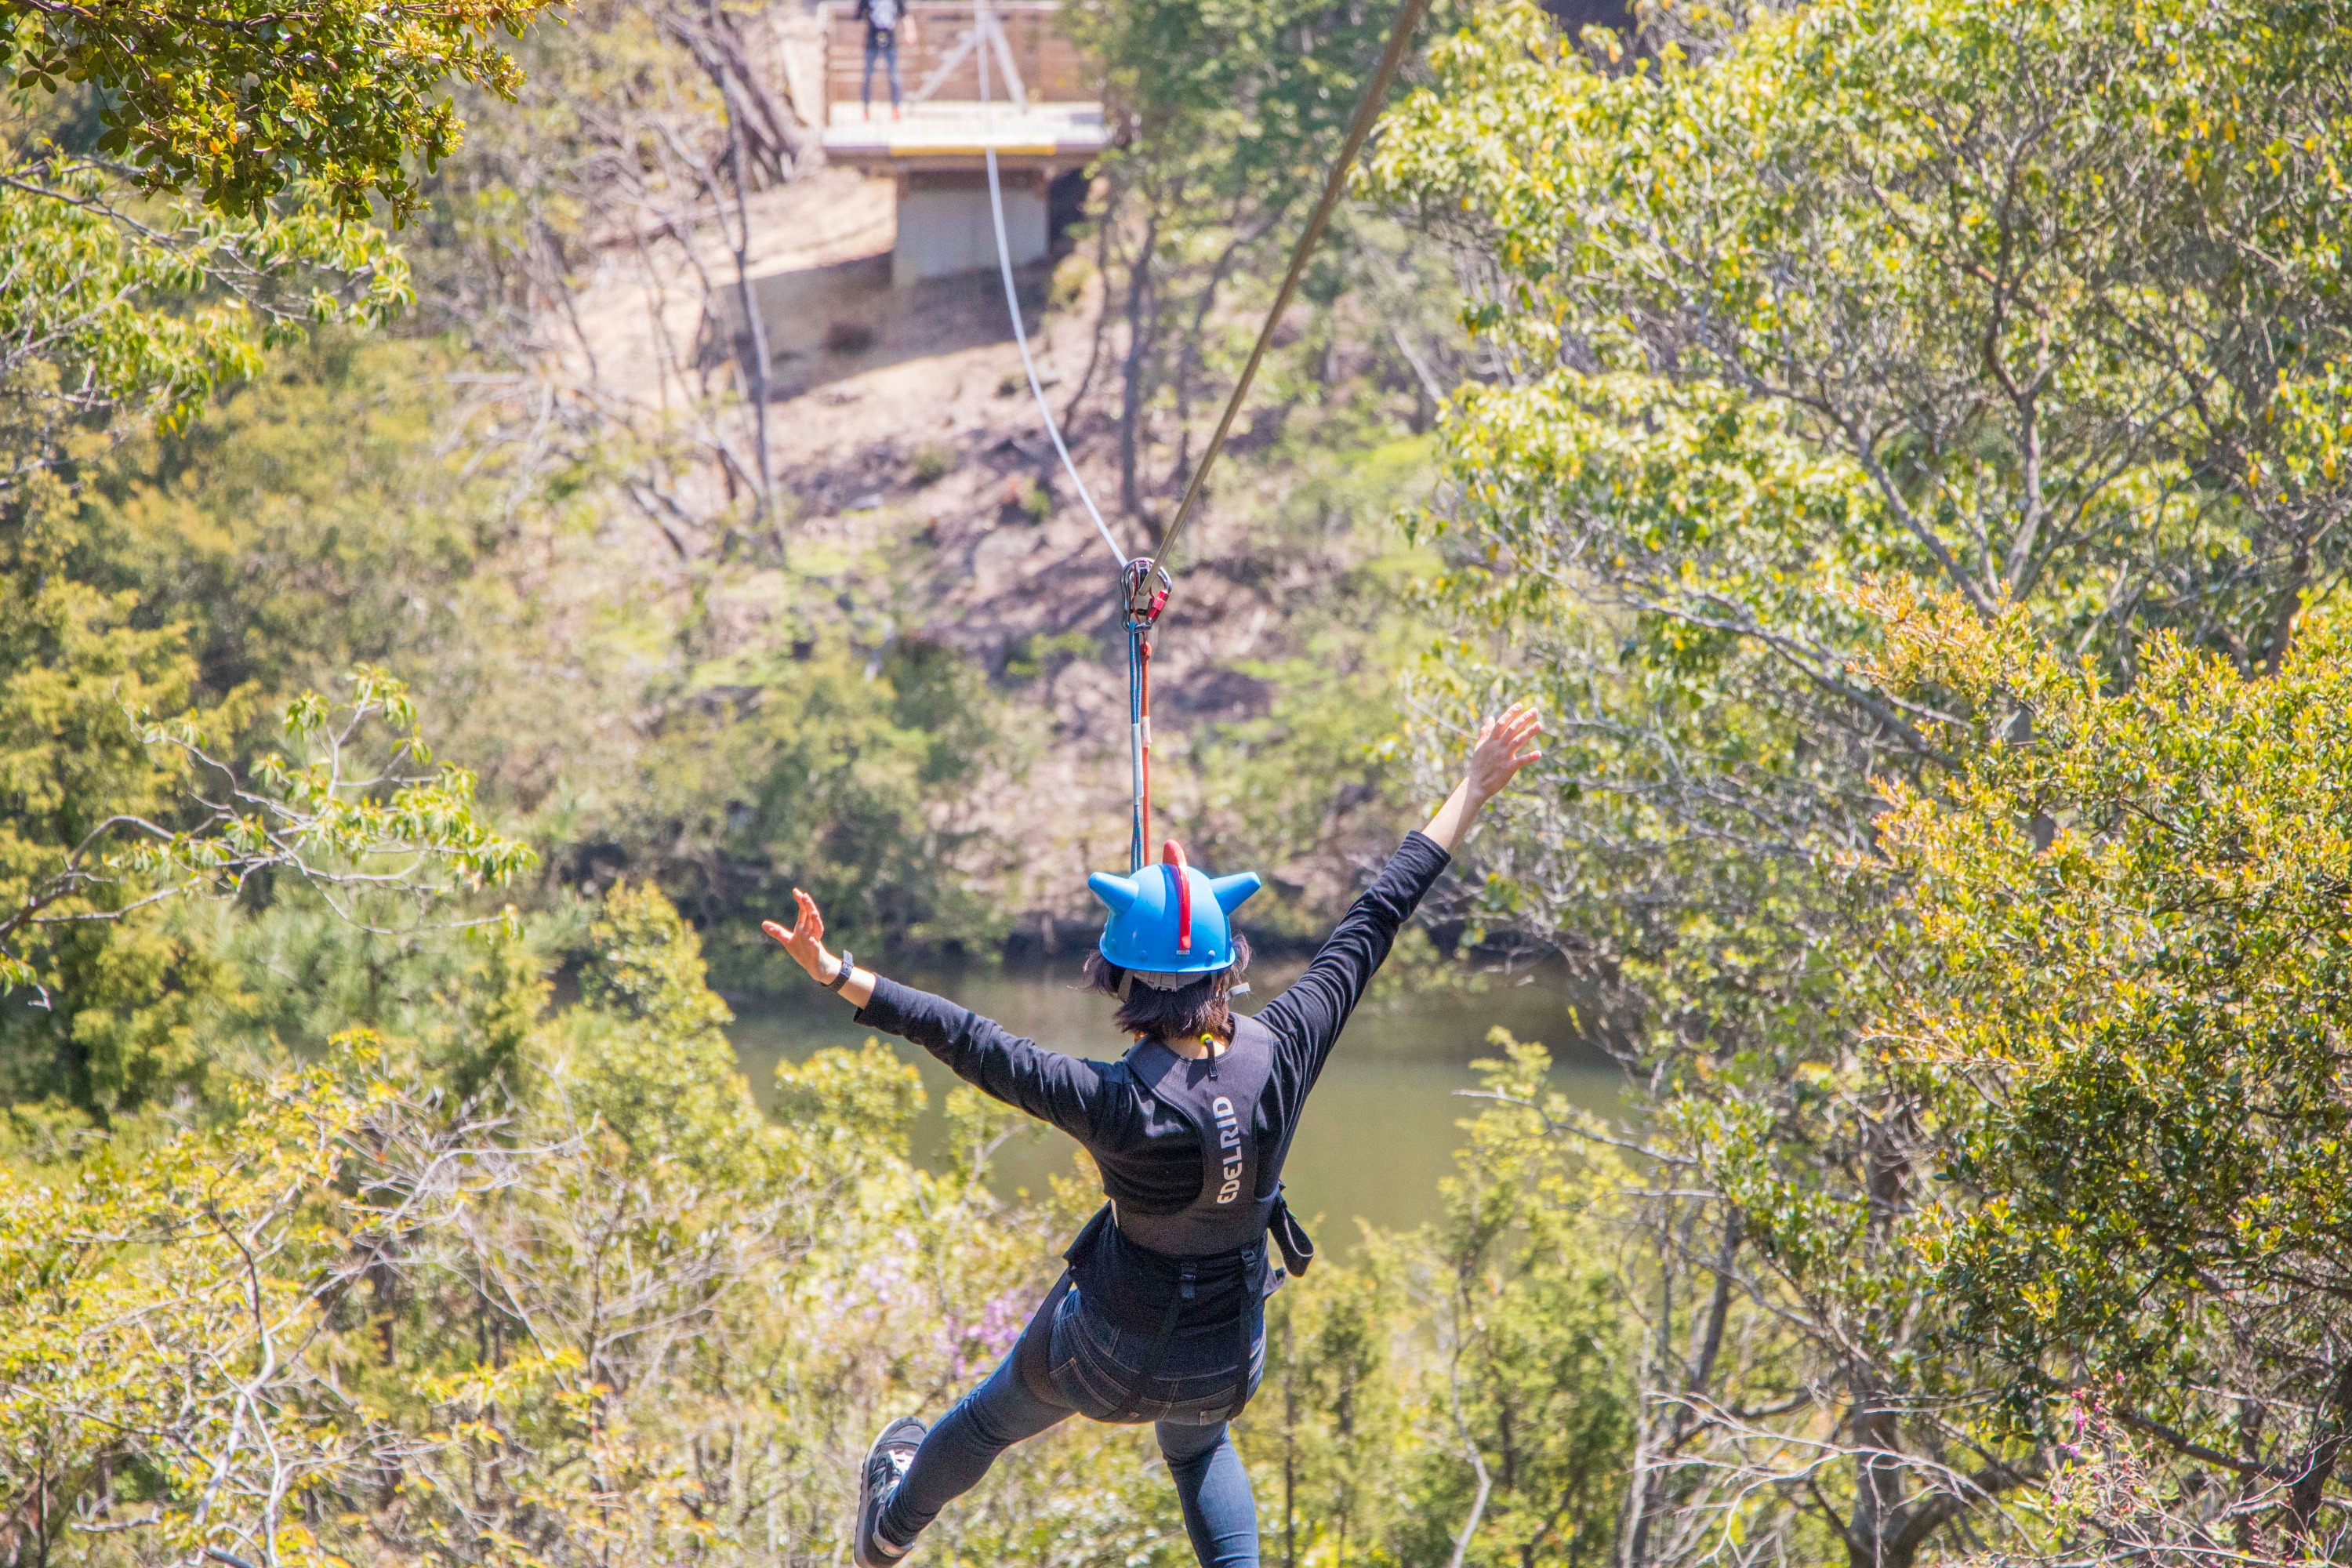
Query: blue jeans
885	46
1095	1366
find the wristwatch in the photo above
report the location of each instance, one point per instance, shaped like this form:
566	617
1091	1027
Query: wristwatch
841	976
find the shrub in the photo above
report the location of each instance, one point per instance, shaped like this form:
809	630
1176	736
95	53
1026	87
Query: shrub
932	464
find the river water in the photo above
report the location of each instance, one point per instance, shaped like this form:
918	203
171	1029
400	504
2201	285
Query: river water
1379	1131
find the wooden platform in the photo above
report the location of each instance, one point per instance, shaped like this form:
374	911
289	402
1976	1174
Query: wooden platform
1047	122
953	137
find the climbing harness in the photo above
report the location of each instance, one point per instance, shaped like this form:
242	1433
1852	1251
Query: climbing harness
1227	1221
1144	582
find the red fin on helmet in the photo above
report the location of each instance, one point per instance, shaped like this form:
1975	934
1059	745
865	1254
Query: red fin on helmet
1171	855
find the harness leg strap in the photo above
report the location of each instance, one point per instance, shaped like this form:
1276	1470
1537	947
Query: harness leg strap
1151	1359
1032	1354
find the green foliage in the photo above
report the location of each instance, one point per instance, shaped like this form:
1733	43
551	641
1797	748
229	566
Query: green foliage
351	1320
239	100
1465	1384
831	774
343	509
654	1061
527	1284
330	510
1233	99
90	317
110	814
1534	1339
2127	994
1331	1413
155	1313
457	1007
2036	305
1232	113
286	126
865	1099
1876	287
110	311
73	679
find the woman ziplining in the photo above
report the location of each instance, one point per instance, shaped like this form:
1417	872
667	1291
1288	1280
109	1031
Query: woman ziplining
1159	1315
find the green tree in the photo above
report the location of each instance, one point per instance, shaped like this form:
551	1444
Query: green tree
112	815
2128	982
2039	305
336	507
1530	1342
121	310
238	101
604	1311
1232	114
660	1071
1459	1392
771	770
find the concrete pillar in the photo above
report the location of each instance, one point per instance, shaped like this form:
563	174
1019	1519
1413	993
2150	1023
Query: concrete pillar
944	227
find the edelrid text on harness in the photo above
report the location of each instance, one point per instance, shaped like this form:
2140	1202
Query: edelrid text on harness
1227	1221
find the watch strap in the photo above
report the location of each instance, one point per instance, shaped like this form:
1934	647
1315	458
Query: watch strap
841	976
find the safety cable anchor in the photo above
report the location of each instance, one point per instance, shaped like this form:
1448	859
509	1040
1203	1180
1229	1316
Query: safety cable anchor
1147	584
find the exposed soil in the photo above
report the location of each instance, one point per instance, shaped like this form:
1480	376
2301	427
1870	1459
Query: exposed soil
924	484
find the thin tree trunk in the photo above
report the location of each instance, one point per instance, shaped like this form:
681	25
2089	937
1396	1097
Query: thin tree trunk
754	328
1102	324
1138	348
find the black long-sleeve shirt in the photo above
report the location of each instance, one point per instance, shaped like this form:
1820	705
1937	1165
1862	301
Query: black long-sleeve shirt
1150	1157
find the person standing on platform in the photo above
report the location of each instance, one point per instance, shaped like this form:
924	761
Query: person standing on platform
881	18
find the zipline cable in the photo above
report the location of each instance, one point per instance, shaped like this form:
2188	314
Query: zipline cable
1135	575
1144	580
1375	92
983	26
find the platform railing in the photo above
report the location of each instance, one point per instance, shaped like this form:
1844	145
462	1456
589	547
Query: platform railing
936	56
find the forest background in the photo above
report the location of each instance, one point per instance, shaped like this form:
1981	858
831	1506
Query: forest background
1903	444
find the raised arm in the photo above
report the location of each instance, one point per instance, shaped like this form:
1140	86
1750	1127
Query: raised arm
1049	1086
1309	1013
1502	747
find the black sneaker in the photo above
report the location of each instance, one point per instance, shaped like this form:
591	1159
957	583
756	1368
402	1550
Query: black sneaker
887	1460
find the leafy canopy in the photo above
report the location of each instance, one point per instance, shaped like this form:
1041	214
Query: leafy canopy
238	100
2133	984
2036	305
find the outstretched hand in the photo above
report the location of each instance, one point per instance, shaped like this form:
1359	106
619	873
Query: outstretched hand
805	940
1504	746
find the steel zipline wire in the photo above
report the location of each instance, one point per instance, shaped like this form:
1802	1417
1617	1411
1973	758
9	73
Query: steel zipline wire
985	26
1144	580
1367	108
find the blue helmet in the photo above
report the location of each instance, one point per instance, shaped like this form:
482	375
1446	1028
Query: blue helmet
1170	919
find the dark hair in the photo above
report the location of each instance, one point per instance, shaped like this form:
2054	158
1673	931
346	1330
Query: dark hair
1198	1009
